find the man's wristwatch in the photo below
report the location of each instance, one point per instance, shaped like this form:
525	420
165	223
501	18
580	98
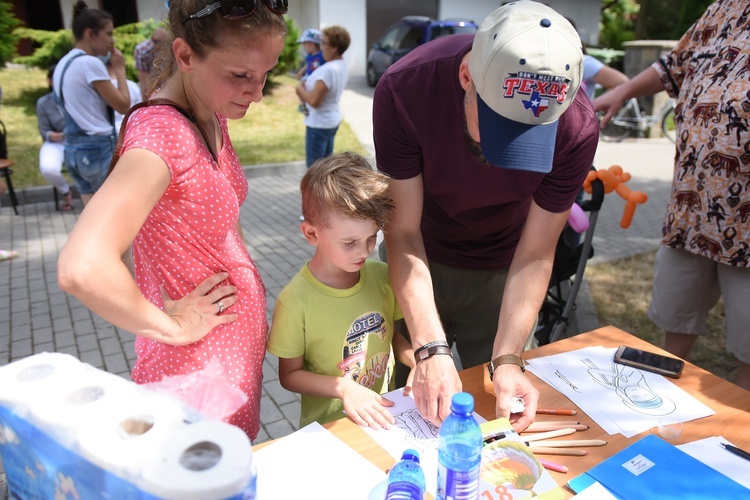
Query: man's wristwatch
506	359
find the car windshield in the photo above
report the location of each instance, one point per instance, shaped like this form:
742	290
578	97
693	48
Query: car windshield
438	31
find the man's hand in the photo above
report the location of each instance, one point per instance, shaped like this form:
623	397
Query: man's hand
367	408
435	382
509	381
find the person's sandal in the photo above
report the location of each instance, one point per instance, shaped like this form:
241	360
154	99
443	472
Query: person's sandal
67	204
7	254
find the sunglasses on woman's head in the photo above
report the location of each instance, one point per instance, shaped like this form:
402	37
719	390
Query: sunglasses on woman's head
239	9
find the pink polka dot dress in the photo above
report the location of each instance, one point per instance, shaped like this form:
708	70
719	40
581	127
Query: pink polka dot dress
190	235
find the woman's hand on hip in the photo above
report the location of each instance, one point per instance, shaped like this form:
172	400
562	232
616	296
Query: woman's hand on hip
201	310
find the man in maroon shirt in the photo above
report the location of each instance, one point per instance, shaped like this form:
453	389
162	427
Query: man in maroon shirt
487	142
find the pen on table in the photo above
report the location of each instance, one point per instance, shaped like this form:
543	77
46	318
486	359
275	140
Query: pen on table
553	466
571	443
554	411
543	450
736	451
548	435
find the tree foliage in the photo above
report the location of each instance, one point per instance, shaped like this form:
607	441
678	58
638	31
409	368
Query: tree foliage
625	20
8	40
668	19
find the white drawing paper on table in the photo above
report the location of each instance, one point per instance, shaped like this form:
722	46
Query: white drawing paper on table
313	463
619	398
411	431
710	452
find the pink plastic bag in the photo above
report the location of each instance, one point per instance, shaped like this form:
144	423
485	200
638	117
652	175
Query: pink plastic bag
208	391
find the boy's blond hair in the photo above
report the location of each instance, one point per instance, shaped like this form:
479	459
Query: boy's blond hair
345	183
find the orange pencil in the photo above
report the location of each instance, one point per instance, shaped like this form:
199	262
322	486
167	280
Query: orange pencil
554	411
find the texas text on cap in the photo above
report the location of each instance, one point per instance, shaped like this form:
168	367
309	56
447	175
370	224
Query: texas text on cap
526	64
311	35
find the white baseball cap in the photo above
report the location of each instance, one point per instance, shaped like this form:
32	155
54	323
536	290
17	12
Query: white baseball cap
311	35
526	64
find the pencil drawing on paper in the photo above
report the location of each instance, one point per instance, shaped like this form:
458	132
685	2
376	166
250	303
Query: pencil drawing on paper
418	432
630	385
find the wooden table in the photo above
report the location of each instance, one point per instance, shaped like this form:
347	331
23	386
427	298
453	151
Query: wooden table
730	402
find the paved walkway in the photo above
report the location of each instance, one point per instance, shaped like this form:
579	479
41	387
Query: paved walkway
36	316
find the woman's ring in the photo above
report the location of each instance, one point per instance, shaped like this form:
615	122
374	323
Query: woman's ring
221	307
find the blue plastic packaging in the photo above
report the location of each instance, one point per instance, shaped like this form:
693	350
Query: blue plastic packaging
406	479
459	451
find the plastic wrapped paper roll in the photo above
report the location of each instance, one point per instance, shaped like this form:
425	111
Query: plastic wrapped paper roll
38	377
201	461
90	397
122	439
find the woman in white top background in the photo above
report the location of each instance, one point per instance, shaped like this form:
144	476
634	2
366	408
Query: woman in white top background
321	92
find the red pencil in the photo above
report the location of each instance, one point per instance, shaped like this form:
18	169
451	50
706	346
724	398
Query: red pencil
545	411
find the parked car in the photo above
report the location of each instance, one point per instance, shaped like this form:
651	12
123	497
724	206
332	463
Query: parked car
406	35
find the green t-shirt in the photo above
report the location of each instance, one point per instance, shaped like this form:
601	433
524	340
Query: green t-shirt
344	333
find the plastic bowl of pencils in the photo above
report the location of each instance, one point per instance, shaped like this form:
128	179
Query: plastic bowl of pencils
510	463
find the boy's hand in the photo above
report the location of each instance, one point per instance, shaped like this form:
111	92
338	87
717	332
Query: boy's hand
366	407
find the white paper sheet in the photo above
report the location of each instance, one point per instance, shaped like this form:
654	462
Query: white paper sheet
619	398
411	431
595	492
710	452
312	463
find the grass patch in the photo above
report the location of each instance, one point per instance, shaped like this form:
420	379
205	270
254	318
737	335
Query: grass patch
621	292
273	130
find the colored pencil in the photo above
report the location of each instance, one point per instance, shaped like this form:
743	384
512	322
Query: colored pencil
554	411
553	466
571	443
548	435
543	427
543	450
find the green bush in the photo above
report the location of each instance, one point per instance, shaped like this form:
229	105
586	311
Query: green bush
8	39
51	46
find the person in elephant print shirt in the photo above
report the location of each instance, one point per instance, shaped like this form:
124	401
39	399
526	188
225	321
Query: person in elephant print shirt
704	249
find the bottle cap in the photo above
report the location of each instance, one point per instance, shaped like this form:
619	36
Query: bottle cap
462	402
410	454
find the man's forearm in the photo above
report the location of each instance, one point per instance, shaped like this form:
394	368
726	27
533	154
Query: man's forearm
410	277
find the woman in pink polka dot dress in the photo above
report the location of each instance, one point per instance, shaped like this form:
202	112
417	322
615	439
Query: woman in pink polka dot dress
175	195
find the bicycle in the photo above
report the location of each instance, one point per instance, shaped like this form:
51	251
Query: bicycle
631	119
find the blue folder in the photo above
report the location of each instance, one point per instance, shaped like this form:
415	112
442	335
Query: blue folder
655	469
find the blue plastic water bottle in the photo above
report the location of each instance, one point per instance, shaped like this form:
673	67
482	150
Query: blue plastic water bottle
406	479
459	452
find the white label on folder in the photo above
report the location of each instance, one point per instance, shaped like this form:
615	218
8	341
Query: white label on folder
638	465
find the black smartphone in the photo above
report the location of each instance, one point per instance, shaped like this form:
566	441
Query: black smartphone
649	361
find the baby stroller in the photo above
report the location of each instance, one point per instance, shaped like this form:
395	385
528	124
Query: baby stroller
571	256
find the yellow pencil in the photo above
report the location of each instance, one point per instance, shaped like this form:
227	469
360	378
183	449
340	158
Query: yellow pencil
543	450
548	435
571	443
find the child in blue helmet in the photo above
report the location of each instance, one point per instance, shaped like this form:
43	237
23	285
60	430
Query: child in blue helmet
310	41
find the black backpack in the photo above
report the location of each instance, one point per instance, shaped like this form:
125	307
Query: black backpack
3	142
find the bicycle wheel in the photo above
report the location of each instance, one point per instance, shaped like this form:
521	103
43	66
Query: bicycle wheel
621	125
668	126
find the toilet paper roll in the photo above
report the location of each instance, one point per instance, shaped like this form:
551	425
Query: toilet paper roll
37	377
89	397
121	439
205	460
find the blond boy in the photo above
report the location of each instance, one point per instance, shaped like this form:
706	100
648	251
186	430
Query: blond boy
334	323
